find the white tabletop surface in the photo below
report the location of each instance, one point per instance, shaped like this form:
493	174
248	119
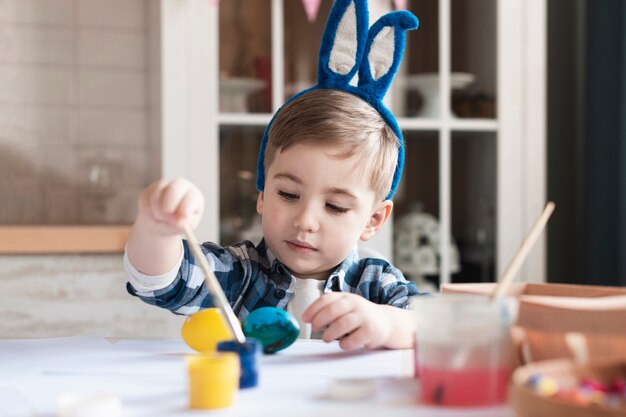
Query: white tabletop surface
149	377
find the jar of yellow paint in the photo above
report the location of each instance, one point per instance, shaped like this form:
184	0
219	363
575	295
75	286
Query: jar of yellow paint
213	380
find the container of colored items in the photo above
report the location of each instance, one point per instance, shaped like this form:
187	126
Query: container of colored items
249	357
213	380
549	312
561	387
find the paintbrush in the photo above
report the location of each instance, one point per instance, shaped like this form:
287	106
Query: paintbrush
513	267
511	270
214	286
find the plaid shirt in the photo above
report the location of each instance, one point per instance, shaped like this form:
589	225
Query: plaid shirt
252	278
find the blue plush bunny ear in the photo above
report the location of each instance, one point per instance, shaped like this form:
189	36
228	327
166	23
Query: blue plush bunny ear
384	50
383	53
343	43
350	46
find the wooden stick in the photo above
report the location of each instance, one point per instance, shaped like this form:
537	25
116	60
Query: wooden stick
214	286
513	267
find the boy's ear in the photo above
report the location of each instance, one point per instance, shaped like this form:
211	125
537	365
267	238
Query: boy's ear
377	220
259	203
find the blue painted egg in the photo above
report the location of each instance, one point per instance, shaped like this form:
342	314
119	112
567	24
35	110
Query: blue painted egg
274	328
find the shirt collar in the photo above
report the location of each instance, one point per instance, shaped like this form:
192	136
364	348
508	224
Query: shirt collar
270	261
337	279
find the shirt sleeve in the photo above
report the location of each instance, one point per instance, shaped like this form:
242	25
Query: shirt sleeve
398	292
395	289
187	293
383	283
143	283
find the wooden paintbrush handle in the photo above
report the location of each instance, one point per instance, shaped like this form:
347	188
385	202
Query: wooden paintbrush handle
214	286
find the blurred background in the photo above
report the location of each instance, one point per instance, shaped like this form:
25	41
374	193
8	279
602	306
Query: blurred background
504	104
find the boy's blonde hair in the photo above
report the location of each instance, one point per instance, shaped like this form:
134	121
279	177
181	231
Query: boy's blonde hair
338	119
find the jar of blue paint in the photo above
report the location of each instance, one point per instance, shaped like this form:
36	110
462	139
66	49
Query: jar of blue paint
249	357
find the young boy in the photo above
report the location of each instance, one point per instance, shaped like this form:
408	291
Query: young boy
328	165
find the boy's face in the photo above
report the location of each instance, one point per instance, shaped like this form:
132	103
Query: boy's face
315	208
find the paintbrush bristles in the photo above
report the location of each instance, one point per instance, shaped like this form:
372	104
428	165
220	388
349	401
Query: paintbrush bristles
214	286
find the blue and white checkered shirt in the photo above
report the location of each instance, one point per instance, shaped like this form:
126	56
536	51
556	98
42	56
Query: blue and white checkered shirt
252	278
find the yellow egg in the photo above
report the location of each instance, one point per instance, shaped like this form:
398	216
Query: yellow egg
203	330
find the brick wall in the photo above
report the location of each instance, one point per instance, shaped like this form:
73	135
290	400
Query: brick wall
74	105
74	110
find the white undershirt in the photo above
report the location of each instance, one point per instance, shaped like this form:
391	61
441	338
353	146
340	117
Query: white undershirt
146	284
305	292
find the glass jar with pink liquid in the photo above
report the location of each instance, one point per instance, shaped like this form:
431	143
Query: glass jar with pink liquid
464	352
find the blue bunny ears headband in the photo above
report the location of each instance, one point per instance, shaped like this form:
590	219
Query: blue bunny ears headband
350	45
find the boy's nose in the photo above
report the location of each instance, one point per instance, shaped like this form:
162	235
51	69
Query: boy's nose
306	220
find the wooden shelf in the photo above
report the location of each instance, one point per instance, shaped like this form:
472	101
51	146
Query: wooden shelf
244	119
63	239
406	123
455	125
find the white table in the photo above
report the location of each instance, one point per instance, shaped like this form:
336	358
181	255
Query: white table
149	377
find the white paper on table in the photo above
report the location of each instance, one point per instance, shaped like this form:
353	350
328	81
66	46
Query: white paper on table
319	359
152	345
31	356
150	379
145	396
14	404
122	363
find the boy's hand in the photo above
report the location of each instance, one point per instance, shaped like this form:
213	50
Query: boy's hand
164	206
353	320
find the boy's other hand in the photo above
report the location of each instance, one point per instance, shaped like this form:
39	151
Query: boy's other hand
351	319
166	205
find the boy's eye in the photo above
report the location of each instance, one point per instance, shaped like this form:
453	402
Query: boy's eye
288	196
336	209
